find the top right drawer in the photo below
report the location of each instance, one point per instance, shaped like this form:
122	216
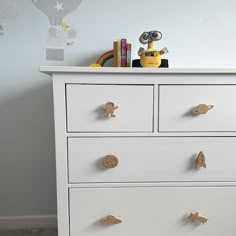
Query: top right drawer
197	108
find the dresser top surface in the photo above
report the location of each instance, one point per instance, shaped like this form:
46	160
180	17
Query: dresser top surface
77	69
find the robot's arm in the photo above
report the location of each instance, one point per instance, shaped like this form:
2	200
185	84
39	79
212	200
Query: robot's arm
140	51
164	50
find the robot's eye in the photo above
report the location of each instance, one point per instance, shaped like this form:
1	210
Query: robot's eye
144	38
155	35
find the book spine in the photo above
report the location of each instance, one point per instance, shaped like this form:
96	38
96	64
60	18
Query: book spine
115	54
123	47
128	61
118	53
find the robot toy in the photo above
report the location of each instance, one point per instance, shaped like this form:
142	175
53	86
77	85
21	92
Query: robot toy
150	57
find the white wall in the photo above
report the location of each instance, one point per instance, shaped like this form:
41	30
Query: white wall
197	33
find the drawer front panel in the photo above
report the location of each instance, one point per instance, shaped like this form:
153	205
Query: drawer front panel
86	113
178	101
144	159
153	211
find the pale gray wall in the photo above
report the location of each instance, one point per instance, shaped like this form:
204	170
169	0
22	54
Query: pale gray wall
197	33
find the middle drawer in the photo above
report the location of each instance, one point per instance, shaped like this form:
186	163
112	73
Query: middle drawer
146	159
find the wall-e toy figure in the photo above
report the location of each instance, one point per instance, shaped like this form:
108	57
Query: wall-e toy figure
151	57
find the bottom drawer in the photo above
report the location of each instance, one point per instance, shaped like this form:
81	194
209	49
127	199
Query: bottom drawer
153	211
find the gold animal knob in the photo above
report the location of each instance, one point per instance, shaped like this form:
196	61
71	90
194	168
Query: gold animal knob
196	217
109	109
201	160
202	109
110	161
110	220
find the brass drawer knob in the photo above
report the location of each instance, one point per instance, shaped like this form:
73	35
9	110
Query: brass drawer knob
110	220
201	160
202	109
110	161
196	217
109	109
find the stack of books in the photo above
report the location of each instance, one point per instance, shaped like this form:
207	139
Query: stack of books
122	53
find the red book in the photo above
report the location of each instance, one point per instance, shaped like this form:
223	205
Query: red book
123	45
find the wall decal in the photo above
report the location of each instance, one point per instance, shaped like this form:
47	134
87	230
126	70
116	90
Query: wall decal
60	34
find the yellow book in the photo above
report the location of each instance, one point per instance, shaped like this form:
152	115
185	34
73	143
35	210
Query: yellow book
116	52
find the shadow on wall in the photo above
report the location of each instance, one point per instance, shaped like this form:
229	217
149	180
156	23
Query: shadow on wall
27	163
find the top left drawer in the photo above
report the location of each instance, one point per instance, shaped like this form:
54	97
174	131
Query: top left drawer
87	105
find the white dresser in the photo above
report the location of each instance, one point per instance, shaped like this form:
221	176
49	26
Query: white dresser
145	152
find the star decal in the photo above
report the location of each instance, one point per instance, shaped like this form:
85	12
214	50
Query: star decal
59	6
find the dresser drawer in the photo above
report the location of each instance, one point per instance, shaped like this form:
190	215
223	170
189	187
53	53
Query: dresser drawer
132	106
179	109
144	159
143	211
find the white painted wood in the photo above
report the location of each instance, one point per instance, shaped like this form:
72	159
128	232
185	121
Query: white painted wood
151	159
155	108
61	156
145	78
85	111
77	69
155	184
177	102
28	222
152	184
155	134
153	211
